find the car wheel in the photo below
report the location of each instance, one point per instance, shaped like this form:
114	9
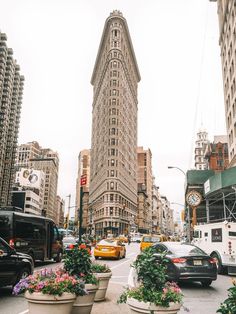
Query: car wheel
96	257
124	254
25	272
220	268
118	256
206	283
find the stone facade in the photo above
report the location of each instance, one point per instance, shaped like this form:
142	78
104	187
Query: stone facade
83	169
227	40
200	144
11	90
144	181
31	155
113	177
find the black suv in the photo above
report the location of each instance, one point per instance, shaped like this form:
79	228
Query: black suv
13	265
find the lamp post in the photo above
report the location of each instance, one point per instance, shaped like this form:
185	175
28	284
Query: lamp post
172	167
188	211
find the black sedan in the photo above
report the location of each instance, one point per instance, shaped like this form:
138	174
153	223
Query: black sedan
187	262
13	265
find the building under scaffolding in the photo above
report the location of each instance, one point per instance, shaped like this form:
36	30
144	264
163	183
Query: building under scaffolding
218	192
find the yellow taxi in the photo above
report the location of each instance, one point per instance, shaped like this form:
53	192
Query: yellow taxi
109	248
148	240
122	238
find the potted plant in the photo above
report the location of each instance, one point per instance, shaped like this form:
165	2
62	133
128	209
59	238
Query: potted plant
78	263
153	293
229	304
103	274
49	290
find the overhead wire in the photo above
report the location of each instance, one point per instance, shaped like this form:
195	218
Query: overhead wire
198	90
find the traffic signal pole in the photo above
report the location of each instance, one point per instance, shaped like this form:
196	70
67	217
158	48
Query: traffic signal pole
83	182
80	213
68	215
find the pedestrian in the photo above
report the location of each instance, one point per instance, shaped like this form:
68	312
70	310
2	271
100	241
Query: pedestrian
129	239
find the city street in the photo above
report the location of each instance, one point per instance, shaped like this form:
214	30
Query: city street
196	298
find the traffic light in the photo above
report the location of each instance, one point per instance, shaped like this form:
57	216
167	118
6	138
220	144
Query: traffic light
66	222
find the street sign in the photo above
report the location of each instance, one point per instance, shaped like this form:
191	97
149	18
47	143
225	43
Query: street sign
83	180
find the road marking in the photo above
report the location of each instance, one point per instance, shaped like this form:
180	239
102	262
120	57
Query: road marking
130	254
119	277
124	284
27	311
118	265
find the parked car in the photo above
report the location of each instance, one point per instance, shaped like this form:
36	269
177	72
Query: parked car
186	262
14	266
149	239
69	243
110	248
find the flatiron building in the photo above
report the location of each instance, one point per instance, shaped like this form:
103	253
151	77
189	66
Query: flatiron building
113	172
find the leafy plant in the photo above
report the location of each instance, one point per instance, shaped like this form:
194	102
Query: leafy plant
151	273
50	282
100	268
154	287
78	263
229	304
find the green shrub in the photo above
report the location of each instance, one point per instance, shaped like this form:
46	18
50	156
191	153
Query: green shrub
78	263
229	304
154	287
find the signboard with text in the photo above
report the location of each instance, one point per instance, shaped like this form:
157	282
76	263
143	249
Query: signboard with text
216	235
83	180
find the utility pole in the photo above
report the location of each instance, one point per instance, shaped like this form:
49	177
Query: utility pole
68	214
83	181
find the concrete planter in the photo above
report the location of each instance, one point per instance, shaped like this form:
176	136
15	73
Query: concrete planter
83	304
39	303
143	307
103	280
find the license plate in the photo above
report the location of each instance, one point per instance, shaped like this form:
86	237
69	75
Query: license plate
197	262
104	250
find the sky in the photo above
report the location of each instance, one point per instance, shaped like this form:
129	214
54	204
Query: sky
55	42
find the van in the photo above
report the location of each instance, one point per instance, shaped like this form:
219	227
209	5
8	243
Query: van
35	235
149	239
219	241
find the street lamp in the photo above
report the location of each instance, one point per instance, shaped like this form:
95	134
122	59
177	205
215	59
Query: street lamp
188	211
171	167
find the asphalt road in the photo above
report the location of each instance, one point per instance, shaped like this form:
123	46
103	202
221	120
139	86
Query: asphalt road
197	300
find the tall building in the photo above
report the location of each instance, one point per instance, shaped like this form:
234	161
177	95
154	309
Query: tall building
200	144
48	162
25	152
28	191
227	35
83	169
113	177
145	181
11	89
32	156
216	154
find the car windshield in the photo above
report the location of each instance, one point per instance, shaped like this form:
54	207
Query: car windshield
185	250
107	242
151	239
69	240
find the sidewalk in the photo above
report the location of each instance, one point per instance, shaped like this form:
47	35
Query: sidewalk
110	306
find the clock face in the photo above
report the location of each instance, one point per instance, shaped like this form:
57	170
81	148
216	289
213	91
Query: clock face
193	198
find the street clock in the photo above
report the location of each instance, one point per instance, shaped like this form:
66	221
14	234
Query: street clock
193	198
